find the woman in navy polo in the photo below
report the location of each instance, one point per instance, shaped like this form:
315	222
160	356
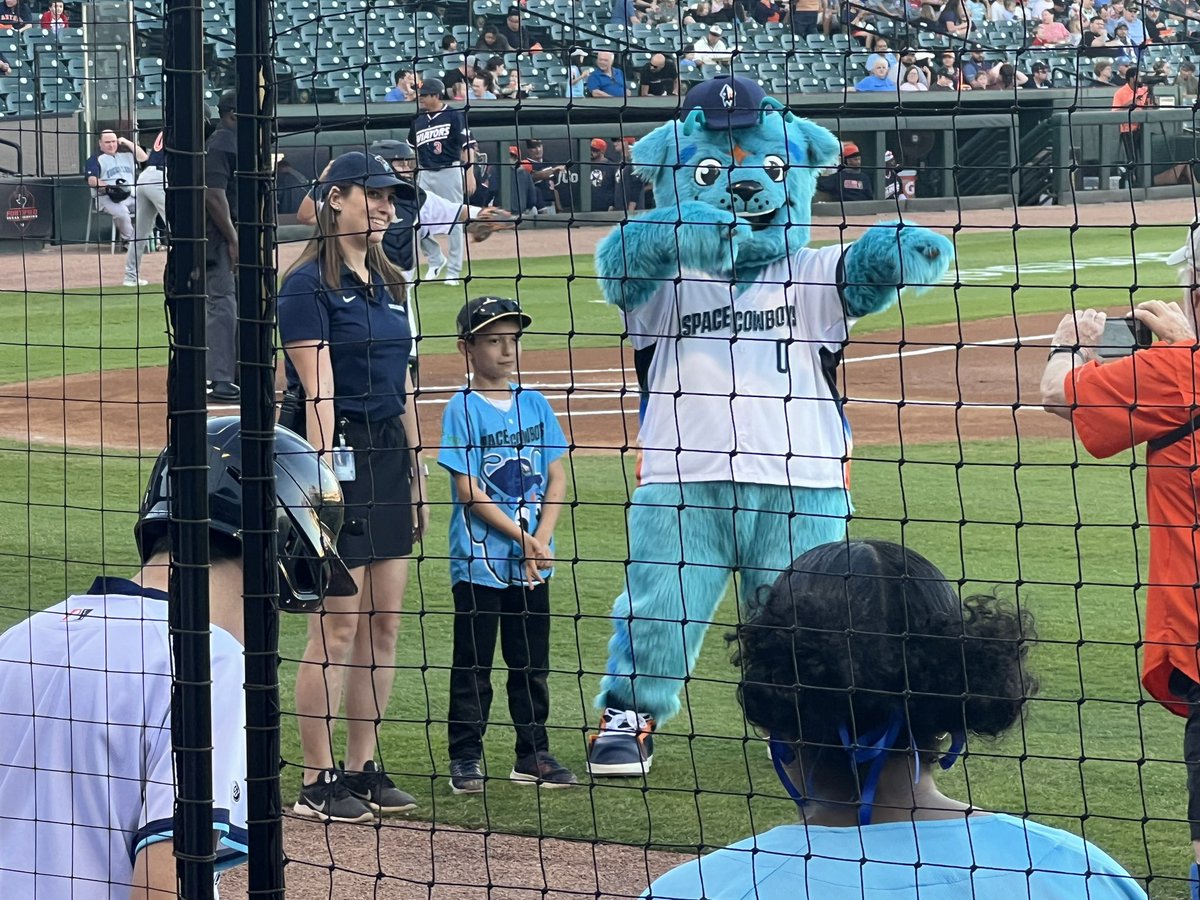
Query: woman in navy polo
347	338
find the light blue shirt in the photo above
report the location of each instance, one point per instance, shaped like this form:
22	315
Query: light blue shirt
510	452
575	88
871	83
985	857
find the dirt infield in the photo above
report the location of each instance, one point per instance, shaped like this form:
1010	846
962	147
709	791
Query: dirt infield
403	860
899	387
71	268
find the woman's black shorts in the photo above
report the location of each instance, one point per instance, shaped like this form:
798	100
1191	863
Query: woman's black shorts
379	520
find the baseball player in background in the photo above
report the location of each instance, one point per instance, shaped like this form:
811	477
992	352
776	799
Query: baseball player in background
439	135
86	775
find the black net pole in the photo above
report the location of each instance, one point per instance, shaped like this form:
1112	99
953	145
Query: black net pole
256	369
187	428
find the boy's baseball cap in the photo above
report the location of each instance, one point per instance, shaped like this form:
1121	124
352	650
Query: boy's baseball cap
483	311
849	148
728	101
431	86
357	167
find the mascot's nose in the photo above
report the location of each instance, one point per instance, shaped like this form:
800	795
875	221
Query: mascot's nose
745	190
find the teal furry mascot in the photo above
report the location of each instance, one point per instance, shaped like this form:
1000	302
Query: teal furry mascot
739	328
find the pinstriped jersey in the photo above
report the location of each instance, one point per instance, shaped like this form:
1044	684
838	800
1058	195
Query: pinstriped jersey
742	385
86	775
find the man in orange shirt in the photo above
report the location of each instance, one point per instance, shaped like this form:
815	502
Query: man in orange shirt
1151	397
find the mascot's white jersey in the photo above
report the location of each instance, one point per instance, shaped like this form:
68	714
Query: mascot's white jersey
740	382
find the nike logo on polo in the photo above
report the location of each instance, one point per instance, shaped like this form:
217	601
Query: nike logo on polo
346	299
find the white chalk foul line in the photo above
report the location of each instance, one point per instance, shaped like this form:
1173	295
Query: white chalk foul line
900	354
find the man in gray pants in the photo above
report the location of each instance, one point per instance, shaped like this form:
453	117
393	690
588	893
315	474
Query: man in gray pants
220	199
151	204
438	134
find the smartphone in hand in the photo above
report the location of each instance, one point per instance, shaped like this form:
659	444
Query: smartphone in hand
1123	336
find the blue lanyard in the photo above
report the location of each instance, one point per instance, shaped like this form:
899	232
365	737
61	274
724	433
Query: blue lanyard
872	748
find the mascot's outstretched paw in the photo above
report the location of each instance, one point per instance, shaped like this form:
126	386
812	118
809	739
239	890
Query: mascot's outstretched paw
638	258
890	257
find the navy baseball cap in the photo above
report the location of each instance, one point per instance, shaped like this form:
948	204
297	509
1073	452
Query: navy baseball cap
357	167
483	311
728	101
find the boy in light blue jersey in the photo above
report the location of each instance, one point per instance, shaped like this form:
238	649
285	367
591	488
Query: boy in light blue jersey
869	674
502	446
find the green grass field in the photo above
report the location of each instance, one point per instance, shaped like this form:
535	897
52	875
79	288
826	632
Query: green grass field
1092	756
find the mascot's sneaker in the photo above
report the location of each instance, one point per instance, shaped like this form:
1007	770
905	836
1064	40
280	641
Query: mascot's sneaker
625	745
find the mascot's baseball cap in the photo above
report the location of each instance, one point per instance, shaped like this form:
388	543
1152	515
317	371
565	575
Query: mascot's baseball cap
599	144
849	149
728	101
483	311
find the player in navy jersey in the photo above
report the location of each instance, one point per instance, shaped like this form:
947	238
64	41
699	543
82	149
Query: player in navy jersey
439	135
502	446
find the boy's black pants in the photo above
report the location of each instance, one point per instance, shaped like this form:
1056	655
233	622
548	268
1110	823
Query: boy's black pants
522	617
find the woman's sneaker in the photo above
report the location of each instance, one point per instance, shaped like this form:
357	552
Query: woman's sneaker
466	776
329	800
373	787
543	770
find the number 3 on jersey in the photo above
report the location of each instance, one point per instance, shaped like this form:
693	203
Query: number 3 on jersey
437	147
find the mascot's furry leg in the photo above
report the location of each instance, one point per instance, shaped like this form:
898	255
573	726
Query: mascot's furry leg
685	539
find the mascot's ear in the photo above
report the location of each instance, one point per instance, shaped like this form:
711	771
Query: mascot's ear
818	147
656	152
822	146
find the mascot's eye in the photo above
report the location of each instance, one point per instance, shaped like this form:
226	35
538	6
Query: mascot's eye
707	172
775	167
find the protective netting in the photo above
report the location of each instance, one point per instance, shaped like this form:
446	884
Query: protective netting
710	425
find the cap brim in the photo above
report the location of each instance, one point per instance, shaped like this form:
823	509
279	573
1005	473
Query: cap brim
382	181
525	322
737	118
1180	256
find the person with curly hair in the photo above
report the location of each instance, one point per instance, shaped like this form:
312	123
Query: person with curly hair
869	674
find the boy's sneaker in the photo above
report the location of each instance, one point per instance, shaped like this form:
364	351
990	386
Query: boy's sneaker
625	745
466	776
543	770
329	800
373	787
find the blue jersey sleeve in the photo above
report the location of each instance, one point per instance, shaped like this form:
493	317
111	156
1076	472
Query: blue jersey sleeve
554	441
455	450
92	167
302	312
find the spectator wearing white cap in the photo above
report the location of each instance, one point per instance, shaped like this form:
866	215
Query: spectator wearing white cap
577	73
710	53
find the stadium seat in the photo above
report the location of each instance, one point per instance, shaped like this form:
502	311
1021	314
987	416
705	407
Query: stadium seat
60	104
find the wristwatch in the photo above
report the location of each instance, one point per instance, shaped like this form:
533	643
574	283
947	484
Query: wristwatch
1054	351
